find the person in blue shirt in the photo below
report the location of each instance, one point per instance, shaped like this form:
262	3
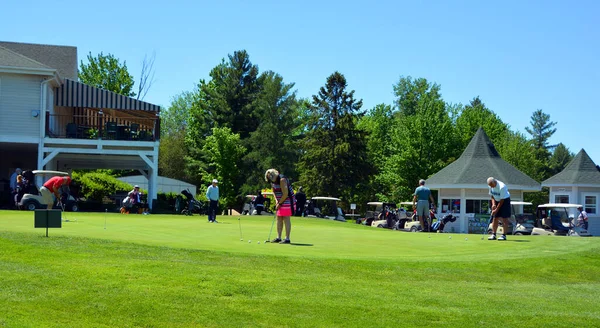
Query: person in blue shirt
421	199
212	194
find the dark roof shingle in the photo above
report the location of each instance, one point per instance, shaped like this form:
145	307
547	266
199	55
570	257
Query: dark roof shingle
61	58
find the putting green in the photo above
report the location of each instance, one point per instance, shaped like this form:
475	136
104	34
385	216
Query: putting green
314	238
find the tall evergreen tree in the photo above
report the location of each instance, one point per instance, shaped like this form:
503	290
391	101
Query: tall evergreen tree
334	160
541	131
272	144
560	158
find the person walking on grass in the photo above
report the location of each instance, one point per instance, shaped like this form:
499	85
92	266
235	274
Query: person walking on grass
212	194
500	206
421	199
284	205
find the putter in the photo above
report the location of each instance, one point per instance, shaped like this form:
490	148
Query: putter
486	227
272	223
64	217
240	223
105	211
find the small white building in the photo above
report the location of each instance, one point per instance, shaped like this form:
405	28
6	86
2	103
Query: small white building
463	187
578	183
163	184
49	120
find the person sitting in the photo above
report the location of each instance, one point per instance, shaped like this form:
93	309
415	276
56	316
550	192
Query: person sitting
259	203
136	200
19	190
127	203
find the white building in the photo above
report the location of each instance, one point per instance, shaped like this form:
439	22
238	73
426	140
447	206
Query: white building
578	183
48	120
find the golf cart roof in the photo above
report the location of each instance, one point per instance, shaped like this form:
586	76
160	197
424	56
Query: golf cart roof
250	196
44	172
325	198
375	203
559	205
406	203
520	203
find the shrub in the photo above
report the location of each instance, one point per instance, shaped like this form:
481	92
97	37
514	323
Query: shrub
95	186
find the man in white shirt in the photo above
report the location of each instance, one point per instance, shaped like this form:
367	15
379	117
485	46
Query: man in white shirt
500	206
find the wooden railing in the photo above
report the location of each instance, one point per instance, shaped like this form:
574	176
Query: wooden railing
101	126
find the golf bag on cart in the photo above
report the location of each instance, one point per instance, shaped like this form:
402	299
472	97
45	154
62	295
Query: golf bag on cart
438	226
193	205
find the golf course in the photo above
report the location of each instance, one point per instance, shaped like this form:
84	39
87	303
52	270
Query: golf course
113	270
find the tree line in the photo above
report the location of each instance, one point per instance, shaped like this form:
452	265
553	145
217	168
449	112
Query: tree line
240	122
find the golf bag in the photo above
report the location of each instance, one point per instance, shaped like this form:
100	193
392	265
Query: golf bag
193	205
440	224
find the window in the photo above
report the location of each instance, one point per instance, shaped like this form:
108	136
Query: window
561	199
450	205
590	204
478	206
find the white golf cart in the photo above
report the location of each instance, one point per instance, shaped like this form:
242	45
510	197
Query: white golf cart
558	220
32	199
250	208
395	219
325	208
524	221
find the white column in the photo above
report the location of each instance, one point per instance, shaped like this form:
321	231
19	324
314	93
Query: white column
463	212
574	198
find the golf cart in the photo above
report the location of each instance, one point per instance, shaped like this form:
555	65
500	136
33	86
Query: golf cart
250	208
383	215
32	199
524	221
558	220
325	208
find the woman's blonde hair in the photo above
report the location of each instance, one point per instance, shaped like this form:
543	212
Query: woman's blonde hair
271	173
19	178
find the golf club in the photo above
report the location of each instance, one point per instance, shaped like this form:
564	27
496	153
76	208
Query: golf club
272	223
240	224
105	212
64	217
486	227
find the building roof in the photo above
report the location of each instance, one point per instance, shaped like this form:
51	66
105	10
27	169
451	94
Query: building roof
61	58
9	58
581	170
479	161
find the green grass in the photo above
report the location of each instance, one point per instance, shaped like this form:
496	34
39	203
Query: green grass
175	271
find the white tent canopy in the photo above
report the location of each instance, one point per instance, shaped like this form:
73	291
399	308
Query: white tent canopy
164	184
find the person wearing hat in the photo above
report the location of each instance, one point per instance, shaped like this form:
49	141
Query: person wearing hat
135	197
212	194
582	218
53	186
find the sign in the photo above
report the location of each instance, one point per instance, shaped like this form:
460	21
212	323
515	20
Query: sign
47	219
352	206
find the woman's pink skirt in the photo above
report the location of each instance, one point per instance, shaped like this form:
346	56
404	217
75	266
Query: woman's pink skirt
284	211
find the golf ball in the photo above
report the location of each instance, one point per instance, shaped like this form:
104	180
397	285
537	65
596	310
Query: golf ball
466	239
449	237
258	242
249	241
429	236
241	240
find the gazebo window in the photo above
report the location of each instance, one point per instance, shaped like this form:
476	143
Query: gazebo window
561	199
590	204
478	206
450	205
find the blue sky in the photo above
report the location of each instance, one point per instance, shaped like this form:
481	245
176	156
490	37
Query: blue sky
518	56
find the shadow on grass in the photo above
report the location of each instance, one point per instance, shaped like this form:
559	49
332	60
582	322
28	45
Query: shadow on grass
298	244
518	241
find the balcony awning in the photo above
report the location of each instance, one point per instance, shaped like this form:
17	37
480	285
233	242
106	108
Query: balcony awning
75	94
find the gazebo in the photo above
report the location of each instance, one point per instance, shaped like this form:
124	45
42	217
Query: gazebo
462	184
578	183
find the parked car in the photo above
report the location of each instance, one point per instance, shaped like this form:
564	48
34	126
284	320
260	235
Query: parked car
32	199
524	221
558	220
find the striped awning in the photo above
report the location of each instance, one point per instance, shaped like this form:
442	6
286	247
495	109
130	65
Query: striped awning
75	94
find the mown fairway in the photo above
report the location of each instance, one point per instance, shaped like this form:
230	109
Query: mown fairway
175	271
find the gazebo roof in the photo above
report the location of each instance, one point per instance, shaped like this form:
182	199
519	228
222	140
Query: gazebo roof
581	171
479	161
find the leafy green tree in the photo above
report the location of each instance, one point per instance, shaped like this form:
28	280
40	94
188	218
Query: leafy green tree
223	152
106	72
424	141
476	115
519	152
272	144
334	161
173	151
